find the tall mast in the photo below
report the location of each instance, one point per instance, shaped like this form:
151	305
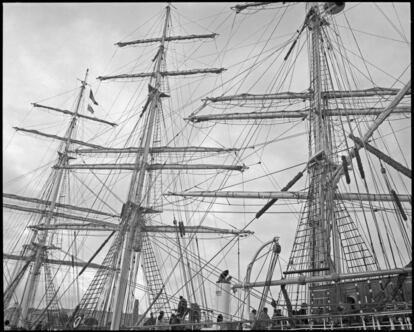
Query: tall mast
133	219
41	246
321	206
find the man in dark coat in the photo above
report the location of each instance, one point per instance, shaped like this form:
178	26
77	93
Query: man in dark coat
182	307
150	320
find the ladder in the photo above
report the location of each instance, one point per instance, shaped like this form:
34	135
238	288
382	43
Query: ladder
356	253
96	297
53	307
153	277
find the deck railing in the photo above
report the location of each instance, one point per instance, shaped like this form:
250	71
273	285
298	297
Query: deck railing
389	320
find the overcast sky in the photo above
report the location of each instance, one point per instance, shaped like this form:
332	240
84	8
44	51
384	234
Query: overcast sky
47	46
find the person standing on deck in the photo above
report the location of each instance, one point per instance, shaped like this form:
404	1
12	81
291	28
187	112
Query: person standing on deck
219	325
150	321
276	323
263	321
174	320
252	317
161	323
182	308
7	326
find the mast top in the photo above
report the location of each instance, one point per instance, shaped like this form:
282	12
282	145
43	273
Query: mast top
84	80
86	77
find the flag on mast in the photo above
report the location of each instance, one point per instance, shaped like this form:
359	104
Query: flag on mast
91	97
90	109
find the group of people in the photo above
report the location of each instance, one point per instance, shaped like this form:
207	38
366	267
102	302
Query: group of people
39	327
8	327
161	323
262	321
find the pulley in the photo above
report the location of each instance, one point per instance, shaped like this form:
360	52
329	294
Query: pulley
181	228
333	7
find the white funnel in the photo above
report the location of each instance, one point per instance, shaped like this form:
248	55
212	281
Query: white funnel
223	292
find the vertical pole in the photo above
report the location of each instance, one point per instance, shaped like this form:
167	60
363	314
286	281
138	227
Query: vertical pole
193	298
134	219
316	214
238	277
137	256
28	296
238	257
324	208
181	258
321	206
76	268
202	284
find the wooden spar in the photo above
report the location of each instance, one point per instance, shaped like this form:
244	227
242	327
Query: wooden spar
288	195
55	214
297	114
196	229
306	95
56	261
96	252
164	73
147	228
239	8
260	97
336	277
71	140
72	114
160	149
77	227
171	38
152	167
65	206
387	111
385	158
273	200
